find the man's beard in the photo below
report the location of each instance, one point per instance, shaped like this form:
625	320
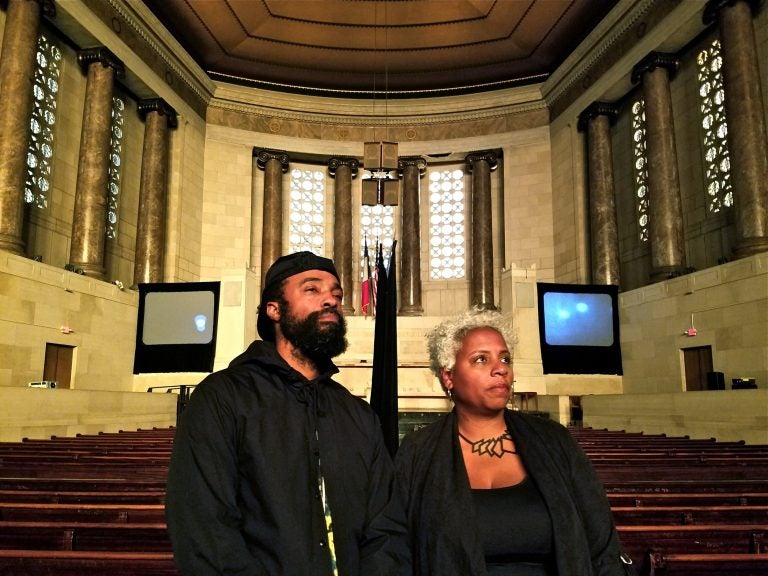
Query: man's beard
317	341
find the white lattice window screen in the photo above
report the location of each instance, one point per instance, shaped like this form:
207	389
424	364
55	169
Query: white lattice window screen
377	226
307	210
40	151
447	229
717	159
640	168
115	164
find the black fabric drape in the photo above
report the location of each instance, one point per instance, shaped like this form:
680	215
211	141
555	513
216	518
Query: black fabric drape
384	379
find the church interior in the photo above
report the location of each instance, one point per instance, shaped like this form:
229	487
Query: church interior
496	151
243	137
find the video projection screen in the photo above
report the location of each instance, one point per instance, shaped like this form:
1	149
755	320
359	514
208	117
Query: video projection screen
579	328
176	327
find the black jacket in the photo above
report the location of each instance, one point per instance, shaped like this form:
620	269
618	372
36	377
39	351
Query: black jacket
242	494
434	486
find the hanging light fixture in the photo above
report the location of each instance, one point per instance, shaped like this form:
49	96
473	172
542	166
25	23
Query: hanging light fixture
381	183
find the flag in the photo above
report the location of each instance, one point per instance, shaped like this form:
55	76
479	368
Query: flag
384	378
367	286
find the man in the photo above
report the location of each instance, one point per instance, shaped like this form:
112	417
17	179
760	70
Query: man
277	469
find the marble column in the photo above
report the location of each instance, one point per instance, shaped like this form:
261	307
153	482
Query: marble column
254	252
480	165
159	118
343	169
275	164
411	169
89	220
596	121
747	138
17	72
665	223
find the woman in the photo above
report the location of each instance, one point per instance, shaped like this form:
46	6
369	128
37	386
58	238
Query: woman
491	491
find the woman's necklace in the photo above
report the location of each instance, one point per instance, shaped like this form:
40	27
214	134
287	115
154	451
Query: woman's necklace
493	447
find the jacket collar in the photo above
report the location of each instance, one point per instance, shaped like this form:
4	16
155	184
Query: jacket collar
265	355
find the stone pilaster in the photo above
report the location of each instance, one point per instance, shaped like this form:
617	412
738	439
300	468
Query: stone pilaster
665	203
480	165
343	169
411	169
159	118
596	120
89	220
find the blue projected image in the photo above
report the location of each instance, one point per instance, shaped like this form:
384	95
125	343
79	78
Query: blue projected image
572	319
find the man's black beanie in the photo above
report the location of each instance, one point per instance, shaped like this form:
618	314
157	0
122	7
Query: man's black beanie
283	268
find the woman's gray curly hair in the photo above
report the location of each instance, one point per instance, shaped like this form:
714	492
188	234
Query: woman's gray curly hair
445	339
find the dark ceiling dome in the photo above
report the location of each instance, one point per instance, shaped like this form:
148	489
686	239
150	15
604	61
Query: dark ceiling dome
359	48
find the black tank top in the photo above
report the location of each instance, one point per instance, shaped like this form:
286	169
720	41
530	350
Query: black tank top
515	530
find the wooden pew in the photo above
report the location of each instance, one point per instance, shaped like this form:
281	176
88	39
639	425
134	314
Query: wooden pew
661	564
639	499
674	459
685	515
78	563
81	484
73	470
94	536
108	513
661	473
105	496
82	458
85	506
693	539
700	485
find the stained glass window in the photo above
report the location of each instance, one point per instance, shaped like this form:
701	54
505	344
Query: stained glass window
640	168
115	163
307	210
717	160
377	226
45	90
447	238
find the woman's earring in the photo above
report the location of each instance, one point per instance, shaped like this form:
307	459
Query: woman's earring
450	394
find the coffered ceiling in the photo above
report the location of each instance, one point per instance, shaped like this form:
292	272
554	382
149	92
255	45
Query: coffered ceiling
368	47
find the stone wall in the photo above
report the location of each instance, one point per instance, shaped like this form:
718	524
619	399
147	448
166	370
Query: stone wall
42	413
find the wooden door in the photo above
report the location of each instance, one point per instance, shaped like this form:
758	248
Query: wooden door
698	362
58	364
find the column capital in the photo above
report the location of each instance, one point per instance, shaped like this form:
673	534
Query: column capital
484	155
160	106
418	161
713	8
597	109
264	155
335	162
655	60
103	56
